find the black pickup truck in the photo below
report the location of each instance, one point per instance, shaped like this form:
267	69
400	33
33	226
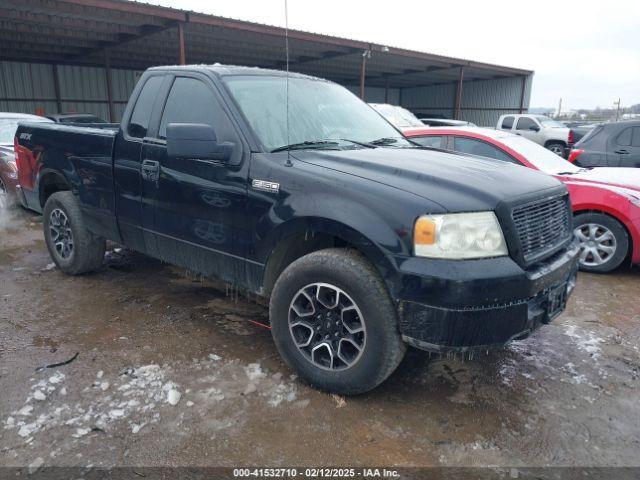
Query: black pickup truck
363	241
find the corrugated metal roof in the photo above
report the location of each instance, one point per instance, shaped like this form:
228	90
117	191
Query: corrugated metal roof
138	35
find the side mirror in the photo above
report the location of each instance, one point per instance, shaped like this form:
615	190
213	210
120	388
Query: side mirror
534	128
196	141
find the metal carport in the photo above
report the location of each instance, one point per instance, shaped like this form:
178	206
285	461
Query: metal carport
86	55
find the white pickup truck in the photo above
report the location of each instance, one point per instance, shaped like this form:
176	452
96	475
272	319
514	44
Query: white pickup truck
543	130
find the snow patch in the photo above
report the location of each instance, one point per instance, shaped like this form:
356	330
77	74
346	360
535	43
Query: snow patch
585	340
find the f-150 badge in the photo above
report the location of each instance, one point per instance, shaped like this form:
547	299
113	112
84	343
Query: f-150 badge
265	186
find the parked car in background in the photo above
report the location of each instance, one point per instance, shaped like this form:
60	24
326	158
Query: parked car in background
363	242
75	118
445	122
8	169
540	129
615	144
398	117
605	201
580	131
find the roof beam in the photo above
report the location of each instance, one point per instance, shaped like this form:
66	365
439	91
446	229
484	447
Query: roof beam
329	55
24	17
143	31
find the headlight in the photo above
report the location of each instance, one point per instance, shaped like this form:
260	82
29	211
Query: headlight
459	236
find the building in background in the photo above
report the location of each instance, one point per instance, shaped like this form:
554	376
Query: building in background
86	56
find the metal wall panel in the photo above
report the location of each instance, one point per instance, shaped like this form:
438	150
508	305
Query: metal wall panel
26	80
123	83
82	83
482	101
30	88
28	106
376	94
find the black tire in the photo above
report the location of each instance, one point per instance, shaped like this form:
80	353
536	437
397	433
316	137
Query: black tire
556	147
362	285
582	227
87	250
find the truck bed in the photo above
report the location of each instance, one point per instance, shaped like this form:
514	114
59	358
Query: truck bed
85	154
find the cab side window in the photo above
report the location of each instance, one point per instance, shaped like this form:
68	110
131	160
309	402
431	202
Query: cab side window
480	148
507	123
524	123
624	138
190	101
635	142
139	122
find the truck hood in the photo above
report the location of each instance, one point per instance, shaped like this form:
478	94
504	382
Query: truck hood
456	182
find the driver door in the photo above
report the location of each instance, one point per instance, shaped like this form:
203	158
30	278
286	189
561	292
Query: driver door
523	127
199	205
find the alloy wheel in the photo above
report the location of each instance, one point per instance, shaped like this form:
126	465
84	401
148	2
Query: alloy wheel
598	244
327	326
61	234
557	149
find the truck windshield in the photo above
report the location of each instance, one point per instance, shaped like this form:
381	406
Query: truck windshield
321	114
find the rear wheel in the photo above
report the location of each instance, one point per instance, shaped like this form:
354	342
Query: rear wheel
556	147
72	247
604	243
334	323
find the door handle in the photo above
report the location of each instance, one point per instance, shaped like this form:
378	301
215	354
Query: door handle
622	152
151	170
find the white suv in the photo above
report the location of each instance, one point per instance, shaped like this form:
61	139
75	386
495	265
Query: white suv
540	129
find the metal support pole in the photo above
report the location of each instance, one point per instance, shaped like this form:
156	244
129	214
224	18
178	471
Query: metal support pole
182	57
56	87
386	89
363	67
524	87
458	104
107	73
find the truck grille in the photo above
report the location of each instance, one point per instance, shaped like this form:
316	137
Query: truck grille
541	226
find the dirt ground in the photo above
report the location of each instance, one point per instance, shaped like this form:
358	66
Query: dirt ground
171	371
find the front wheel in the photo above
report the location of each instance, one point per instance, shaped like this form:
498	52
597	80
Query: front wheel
73	248
604	243
333	321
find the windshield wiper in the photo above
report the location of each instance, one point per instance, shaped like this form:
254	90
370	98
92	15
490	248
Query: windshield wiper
384	141
574	172
362	144
306	144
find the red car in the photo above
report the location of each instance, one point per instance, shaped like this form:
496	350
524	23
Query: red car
8	169
606	201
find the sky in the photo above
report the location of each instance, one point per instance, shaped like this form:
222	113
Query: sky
585	52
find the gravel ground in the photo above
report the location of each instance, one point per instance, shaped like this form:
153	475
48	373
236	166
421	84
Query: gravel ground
169	370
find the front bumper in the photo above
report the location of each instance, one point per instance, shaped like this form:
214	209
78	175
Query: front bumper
484	303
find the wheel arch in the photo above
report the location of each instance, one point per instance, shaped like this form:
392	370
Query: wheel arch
50	182
298	237
552	141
